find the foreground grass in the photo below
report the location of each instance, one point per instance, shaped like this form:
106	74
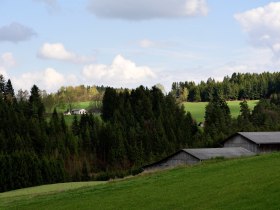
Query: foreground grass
248	183
197	109
45	189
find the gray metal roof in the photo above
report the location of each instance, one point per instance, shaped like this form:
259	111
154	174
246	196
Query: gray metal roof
208	153
262	137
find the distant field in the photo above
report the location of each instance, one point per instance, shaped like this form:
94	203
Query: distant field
76	105
246	183
79	105
197	109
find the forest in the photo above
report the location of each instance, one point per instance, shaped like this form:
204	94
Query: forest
238	86
136	127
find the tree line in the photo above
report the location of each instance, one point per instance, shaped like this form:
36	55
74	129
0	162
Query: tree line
136	127
66	96
238	86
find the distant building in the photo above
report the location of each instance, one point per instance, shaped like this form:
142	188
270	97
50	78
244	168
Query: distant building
78	111
67	113
258	142
193	156
201	124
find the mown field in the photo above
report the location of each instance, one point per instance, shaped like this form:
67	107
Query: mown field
76	105
197	109
247	183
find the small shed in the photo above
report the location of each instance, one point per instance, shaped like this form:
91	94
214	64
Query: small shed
193	156
257	142
78	111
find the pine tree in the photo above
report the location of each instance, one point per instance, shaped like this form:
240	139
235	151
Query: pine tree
217	118
2	85
9	93
37	108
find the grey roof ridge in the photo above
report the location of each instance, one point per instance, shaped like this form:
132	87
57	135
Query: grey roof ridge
190	150
252	140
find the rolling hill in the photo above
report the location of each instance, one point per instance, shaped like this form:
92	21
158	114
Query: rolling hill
246	183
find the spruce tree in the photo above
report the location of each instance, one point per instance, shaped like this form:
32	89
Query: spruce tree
9	91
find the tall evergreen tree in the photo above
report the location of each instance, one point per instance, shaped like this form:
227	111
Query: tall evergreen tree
217	118
37	108
9	91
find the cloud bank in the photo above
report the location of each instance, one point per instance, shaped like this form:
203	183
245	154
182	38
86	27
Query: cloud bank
121	73
15	32
147	9
262	26
49	79
57	51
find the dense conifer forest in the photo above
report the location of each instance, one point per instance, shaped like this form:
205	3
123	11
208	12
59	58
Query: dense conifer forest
136	127
238	86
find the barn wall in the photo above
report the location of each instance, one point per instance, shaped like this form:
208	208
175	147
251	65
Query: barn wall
269	148
240	141
180	158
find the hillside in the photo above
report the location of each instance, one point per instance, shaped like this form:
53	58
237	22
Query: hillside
248	183
197	109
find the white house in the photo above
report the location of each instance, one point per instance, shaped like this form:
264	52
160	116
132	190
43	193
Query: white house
78	111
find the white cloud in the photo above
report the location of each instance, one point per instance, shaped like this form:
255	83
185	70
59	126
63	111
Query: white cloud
3	72
49	79
7	60
121	73
147	9
145	43
15	32
57	51
262	26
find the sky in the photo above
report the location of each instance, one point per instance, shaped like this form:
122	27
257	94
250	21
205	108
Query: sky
127	43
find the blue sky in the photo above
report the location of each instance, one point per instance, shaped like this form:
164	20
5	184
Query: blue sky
126	43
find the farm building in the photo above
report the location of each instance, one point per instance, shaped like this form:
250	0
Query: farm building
257	142
193	156
78	111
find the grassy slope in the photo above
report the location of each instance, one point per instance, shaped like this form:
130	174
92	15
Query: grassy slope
197	109
76	105
249	183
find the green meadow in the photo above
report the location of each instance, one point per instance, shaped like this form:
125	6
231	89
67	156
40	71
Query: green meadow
87	105
246	183
78	105
197	109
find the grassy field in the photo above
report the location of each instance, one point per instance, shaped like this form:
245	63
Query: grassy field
78	105
46	189
247	183
197	109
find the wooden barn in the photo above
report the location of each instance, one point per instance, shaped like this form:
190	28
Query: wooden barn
257	142
193	156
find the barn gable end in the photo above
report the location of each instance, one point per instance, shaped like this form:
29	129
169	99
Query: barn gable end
241	141
179	158
258	142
